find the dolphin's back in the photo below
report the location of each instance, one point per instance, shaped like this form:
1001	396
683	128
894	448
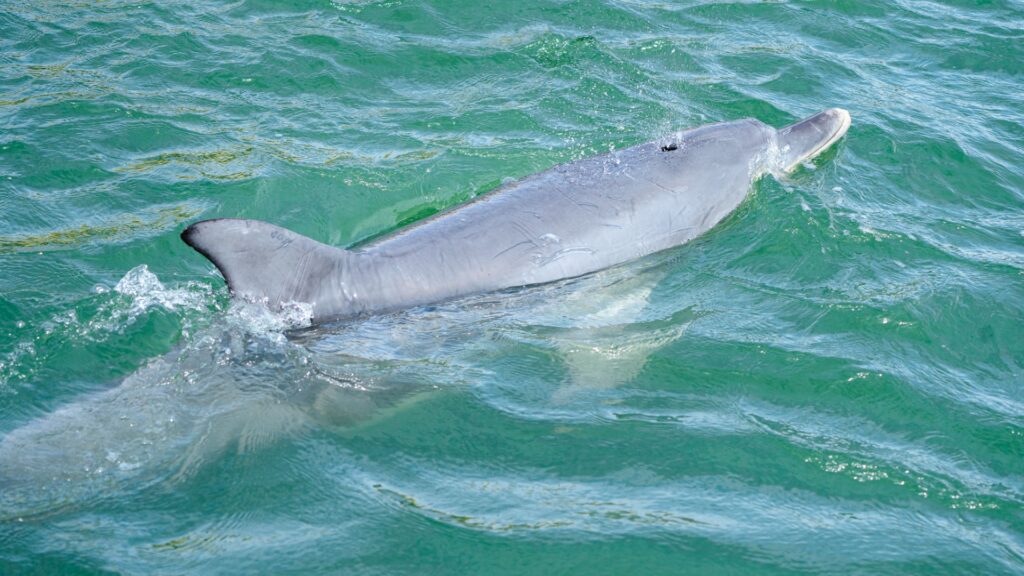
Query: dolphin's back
566	221
583	216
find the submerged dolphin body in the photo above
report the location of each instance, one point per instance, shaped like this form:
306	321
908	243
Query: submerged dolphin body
566	221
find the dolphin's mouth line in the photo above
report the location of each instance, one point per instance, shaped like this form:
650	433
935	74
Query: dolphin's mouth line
839	133
788	167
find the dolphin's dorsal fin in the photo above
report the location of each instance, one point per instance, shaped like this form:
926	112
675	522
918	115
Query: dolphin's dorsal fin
267	263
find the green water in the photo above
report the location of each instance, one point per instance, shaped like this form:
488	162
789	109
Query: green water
828	382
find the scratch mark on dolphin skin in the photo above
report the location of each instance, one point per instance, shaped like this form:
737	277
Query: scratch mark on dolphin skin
707	216
576	202
514	246
522	229
563	252
661	186
284	240
301	271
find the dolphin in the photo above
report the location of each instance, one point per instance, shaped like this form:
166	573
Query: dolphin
567	221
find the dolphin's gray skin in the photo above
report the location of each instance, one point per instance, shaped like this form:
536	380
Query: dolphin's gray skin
564	222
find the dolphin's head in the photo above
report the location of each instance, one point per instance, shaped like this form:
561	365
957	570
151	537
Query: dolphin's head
809	137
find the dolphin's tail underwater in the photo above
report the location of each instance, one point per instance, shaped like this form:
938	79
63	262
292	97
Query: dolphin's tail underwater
809	137
269	263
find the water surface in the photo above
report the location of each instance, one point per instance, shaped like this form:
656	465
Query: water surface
829	381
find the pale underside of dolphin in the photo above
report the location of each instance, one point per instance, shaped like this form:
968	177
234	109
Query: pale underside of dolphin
567	221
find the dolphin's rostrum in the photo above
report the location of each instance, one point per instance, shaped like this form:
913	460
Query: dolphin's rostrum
566	221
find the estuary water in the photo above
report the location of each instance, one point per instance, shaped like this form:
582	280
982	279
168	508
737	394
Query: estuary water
830	381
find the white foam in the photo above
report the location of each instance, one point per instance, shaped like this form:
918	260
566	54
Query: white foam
148	292
257	318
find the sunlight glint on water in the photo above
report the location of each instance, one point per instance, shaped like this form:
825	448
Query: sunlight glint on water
829	381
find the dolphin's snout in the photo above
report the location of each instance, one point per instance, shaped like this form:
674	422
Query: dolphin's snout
803	140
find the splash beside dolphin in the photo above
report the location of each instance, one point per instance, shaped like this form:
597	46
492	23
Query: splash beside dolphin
564	222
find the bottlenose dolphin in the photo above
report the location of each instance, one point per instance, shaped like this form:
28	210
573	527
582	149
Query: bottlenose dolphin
564	222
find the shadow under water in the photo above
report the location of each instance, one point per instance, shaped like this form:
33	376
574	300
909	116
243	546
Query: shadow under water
250	377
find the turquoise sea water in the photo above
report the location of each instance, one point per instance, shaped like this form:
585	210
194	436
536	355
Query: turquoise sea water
828	382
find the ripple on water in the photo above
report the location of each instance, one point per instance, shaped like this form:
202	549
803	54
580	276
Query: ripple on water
828	381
